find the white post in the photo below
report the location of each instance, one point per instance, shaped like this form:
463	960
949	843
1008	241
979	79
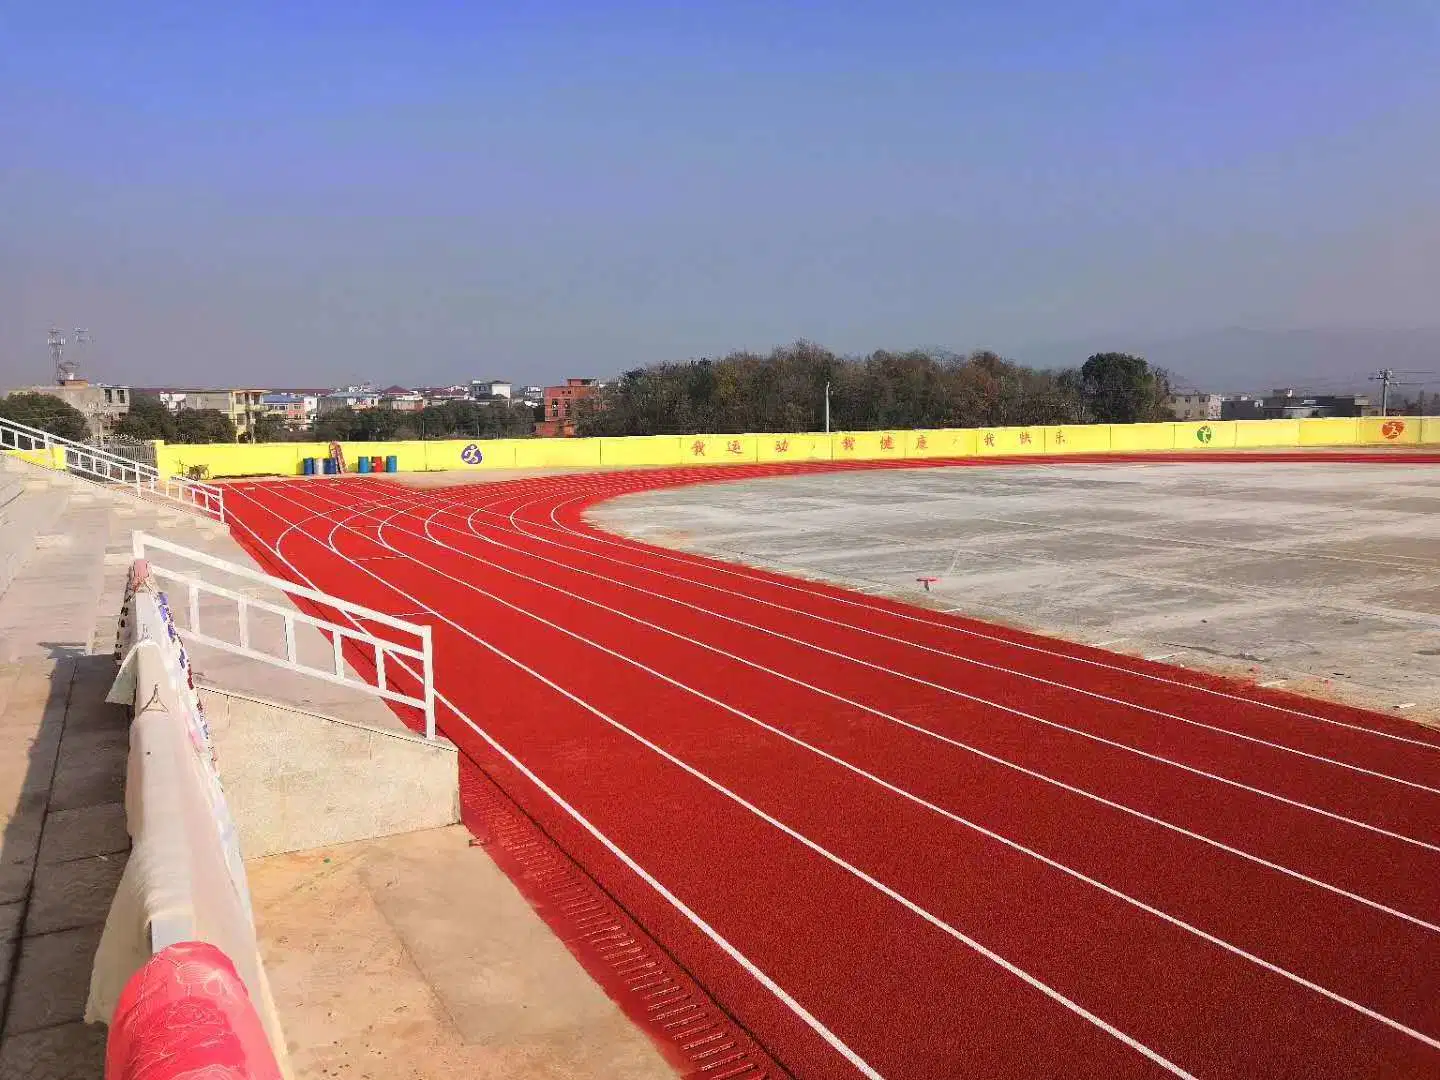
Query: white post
428	648
827	408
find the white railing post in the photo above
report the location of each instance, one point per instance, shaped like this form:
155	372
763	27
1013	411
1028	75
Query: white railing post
428	648
388	650
103	466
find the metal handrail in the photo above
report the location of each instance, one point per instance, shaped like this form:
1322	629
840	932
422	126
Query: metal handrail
422	652
91	462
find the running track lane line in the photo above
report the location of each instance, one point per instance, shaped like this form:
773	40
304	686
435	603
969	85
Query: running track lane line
1108	699
860	1065
942	688
903	723
817	590
805	841
873	778
638	547
588	554
1068	687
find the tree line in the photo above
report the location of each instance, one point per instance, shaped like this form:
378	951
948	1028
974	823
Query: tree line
784	390
448	420
150	419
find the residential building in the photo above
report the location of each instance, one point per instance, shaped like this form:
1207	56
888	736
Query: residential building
489	390
439	395
350	397
401	399
240	404
103	405
1193	405
294	407
532	395
559	405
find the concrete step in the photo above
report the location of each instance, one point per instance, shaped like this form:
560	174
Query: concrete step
29	517
52	604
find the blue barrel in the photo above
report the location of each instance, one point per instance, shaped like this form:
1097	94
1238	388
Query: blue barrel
307	467
392	463
329	466
364	464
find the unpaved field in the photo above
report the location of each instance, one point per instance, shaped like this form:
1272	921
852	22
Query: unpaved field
1322	578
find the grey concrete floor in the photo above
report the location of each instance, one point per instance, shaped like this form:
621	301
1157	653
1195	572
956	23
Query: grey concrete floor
1320	578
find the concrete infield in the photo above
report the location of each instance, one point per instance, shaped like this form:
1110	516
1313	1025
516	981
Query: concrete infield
1317	577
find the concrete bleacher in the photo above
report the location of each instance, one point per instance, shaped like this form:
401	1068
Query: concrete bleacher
322	775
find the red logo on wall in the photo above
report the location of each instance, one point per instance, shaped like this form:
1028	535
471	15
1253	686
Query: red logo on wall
1393	429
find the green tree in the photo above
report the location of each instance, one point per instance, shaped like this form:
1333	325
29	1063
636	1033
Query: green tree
785	391
46	412
268	428
203	426
1119	388
336	425
148	418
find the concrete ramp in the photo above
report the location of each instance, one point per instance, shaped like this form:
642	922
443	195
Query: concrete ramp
297	780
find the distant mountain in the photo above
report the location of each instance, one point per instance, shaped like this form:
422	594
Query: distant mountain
1246	361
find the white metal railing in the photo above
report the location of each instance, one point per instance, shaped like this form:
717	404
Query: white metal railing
101	466
385	650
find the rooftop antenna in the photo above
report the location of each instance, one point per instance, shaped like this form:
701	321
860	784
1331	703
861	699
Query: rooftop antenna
65	370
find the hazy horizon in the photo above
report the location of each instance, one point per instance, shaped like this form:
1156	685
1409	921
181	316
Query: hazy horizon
428	195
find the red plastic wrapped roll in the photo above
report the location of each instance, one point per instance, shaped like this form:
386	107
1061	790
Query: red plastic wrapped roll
186	1013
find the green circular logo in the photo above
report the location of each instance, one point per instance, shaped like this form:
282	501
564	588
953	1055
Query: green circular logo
1204	433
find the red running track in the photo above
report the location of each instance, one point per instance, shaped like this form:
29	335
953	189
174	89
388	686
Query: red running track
896	843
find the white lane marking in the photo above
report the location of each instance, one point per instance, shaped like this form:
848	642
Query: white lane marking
1109	699
617	541
895	789
753	970
920	729
805	841
1031	716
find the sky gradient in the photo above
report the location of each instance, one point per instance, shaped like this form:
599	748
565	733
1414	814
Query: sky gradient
322	192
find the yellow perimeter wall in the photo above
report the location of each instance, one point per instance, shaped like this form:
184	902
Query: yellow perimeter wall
285	459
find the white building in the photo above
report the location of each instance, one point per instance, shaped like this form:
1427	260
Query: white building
488	389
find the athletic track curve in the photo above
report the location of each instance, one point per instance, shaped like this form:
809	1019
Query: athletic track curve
886	841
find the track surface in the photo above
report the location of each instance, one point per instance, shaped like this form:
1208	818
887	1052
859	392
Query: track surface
895	843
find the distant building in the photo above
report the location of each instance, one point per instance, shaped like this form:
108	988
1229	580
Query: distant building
350	397
439	395
1193	405
1242	407
532	395
1286	404
402	399
559	405
489	390
240	404
102	405
296	408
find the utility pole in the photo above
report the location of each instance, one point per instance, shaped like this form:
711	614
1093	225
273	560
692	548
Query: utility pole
1384	377
65	370
827	407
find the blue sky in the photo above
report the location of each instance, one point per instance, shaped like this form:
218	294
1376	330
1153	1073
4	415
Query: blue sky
325	191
